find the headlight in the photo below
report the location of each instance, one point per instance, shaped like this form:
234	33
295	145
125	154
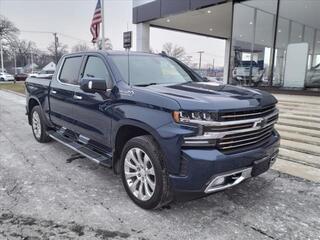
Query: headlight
201	119
193	117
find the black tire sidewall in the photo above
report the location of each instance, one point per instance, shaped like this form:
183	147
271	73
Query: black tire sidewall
151	149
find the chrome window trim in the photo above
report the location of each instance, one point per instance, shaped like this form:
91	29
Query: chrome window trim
59	72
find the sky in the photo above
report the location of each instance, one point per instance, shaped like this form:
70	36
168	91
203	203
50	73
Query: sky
71	20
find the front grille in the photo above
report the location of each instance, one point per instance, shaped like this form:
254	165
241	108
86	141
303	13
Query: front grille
240	115
227	127
239	129
234	141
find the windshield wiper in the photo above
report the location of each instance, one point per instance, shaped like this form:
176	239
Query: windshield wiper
146	85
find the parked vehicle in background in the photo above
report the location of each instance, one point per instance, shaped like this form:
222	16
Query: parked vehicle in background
161	127
6	76
241	72
313	76
21	76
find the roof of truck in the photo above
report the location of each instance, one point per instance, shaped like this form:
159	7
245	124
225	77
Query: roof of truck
115	52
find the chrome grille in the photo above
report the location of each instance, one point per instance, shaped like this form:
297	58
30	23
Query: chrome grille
254	127
239	115
245	139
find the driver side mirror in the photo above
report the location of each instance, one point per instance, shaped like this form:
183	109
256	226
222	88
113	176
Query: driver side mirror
92	85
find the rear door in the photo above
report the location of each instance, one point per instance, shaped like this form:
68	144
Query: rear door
62	91
92	110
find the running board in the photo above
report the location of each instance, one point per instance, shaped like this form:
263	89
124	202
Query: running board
100	158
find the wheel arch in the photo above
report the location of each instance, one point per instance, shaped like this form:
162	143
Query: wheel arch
31	104
124	132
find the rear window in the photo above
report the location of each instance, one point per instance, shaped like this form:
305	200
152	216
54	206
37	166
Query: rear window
70	70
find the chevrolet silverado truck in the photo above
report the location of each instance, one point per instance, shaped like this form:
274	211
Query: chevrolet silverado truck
155	122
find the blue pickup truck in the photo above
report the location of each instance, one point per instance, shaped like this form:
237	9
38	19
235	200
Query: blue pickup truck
154	121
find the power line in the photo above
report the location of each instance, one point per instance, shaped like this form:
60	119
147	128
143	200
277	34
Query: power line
60	33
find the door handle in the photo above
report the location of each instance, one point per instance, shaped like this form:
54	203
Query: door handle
77	97
53	91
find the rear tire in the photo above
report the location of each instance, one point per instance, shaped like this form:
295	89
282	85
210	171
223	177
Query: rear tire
39	127
143	173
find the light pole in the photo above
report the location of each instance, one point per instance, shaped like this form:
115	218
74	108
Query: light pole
200	53
1	53
15	62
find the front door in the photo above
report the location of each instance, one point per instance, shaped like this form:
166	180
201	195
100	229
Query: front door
91	110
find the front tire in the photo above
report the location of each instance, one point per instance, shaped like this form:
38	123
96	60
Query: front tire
143	173
39	128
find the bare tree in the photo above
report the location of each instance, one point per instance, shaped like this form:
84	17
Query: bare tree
8	30
61	50
23	50
80	47
174	50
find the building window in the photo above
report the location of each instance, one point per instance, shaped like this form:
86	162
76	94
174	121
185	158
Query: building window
298	44
252	42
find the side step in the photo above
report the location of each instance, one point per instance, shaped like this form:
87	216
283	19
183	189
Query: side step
85	150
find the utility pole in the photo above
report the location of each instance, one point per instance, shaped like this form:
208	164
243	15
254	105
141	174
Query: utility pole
56	41
1	53
200	52
31	60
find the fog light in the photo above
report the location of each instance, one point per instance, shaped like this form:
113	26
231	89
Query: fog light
219	181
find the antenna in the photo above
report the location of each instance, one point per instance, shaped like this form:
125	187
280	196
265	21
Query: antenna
129	82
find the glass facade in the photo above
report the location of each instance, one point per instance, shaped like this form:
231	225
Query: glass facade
270	45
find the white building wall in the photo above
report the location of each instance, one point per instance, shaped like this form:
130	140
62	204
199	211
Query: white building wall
143	37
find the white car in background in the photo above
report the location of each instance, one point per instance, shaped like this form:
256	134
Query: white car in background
6	76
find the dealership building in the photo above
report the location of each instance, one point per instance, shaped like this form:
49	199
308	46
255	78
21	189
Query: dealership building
268	42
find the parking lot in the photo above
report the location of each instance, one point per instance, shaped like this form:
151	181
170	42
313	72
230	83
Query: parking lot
44	196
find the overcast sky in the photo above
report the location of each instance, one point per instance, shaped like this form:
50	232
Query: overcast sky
72	19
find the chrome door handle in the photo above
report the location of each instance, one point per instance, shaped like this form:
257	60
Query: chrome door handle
53	91
77	97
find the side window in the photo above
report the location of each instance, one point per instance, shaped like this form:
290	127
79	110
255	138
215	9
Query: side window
70	70
95	68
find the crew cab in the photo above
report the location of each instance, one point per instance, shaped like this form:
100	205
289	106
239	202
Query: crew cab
155	122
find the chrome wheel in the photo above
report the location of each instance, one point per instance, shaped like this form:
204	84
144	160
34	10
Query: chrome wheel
139	174
36	125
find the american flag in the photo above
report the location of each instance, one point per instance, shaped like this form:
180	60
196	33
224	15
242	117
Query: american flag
95	24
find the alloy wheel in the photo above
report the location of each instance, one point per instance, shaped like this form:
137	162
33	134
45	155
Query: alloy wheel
139	174
36	124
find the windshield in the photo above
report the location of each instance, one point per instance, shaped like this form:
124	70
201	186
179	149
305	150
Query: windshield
150	69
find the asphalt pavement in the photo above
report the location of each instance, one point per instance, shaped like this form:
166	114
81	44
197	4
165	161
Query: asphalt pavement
45	196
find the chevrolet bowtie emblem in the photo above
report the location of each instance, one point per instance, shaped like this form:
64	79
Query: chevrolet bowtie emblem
260	123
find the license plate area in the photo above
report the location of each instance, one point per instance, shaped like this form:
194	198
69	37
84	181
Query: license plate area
260	166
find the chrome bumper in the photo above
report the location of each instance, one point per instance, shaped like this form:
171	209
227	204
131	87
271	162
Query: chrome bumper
233	178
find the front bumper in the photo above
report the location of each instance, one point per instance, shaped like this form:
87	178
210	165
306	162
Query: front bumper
205	165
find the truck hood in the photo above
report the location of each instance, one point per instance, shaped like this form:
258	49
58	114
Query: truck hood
213	96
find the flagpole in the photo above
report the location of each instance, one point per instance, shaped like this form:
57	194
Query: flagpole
102	30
